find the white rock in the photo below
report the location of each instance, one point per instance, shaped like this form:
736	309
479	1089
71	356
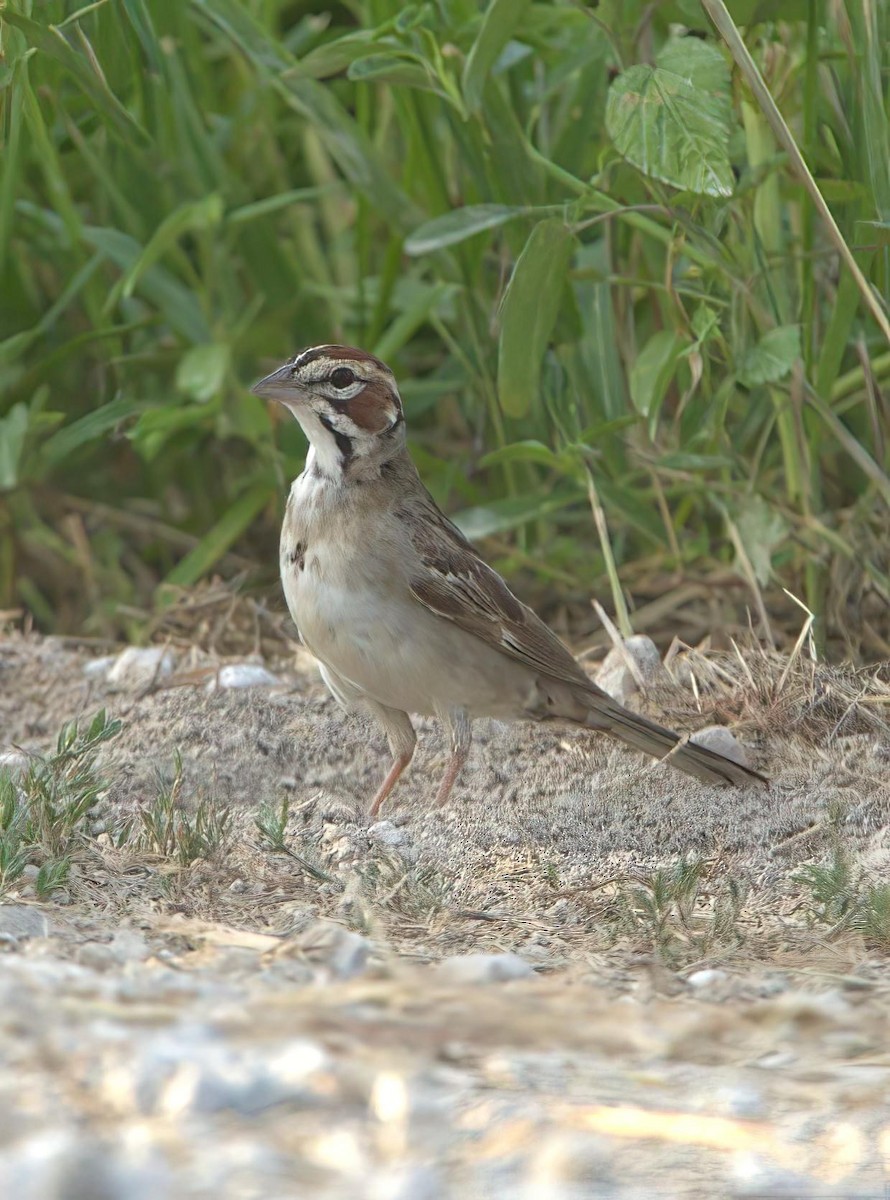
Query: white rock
719	739
483	968
242	675
393	837
387	834
98	668
619	678
138	666
706	979
23	921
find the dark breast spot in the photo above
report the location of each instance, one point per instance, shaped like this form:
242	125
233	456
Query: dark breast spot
297	556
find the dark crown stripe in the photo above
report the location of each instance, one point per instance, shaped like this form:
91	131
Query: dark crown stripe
342	354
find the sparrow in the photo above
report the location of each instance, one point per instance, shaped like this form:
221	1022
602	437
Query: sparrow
400	611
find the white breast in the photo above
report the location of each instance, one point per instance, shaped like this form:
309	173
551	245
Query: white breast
348	595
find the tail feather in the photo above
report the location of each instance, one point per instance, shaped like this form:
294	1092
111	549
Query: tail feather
643	734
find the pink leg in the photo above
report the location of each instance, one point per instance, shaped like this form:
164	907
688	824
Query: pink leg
458	724
399	763
402	740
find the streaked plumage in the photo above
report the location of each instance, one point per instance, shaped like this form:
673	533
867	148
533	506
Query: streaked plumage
399	609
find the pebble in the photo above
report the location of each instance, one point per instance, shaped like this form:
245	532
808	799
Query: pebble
618	679
23	921
719	739
98	668
242	675
707	980
386	833
483	968
138	667
336	952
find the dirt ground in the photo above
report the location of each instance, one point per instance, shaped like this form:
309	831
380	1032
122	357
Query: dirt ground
673	1010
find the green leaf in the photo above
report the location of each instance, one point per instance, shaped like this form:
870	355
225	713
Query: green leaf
87	429
529	312
501	18
502	515
772	358
761	529
201	371
197	215
178	306
651	374
459	225
681	461
701	63
157	426
333	57
395	69
50	40
527	451
345	140
224	533
671	129
13	431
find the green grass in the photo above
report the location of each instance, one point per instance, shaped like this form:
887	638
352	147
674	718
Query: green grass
44	813
571	231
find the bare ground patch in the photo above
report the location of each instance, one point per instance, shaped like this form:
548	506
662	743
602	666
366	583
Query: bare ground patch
263	1012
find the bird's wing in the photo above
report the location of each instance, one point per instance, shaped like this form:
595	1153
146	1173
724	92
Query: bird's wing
453	581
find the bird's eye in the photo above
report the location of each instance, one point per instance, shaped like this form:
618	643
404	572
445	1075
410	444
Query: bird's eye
342	378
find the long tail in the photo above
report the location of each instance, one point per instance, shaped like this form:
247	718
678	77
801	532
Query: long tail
608	715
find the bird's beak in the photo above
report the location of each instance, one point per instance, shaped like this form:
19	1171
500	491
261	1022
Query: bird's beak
278	386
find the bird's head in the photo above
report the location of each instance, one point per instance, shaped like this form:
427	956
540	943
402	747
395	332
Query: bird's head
347	402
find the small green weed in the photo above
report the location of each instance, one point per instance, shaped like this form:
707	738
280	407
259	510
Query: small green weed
683	914
43	813
166	828
843	898
271	821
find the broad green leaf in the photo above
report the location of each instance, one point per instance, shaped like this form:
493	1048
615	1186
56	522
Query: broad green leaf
13	431
224	533
705	323
459	225
87	429
772	358
701	63
50	40
653	371
529	312
671	129
201	371
761	529
502	18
